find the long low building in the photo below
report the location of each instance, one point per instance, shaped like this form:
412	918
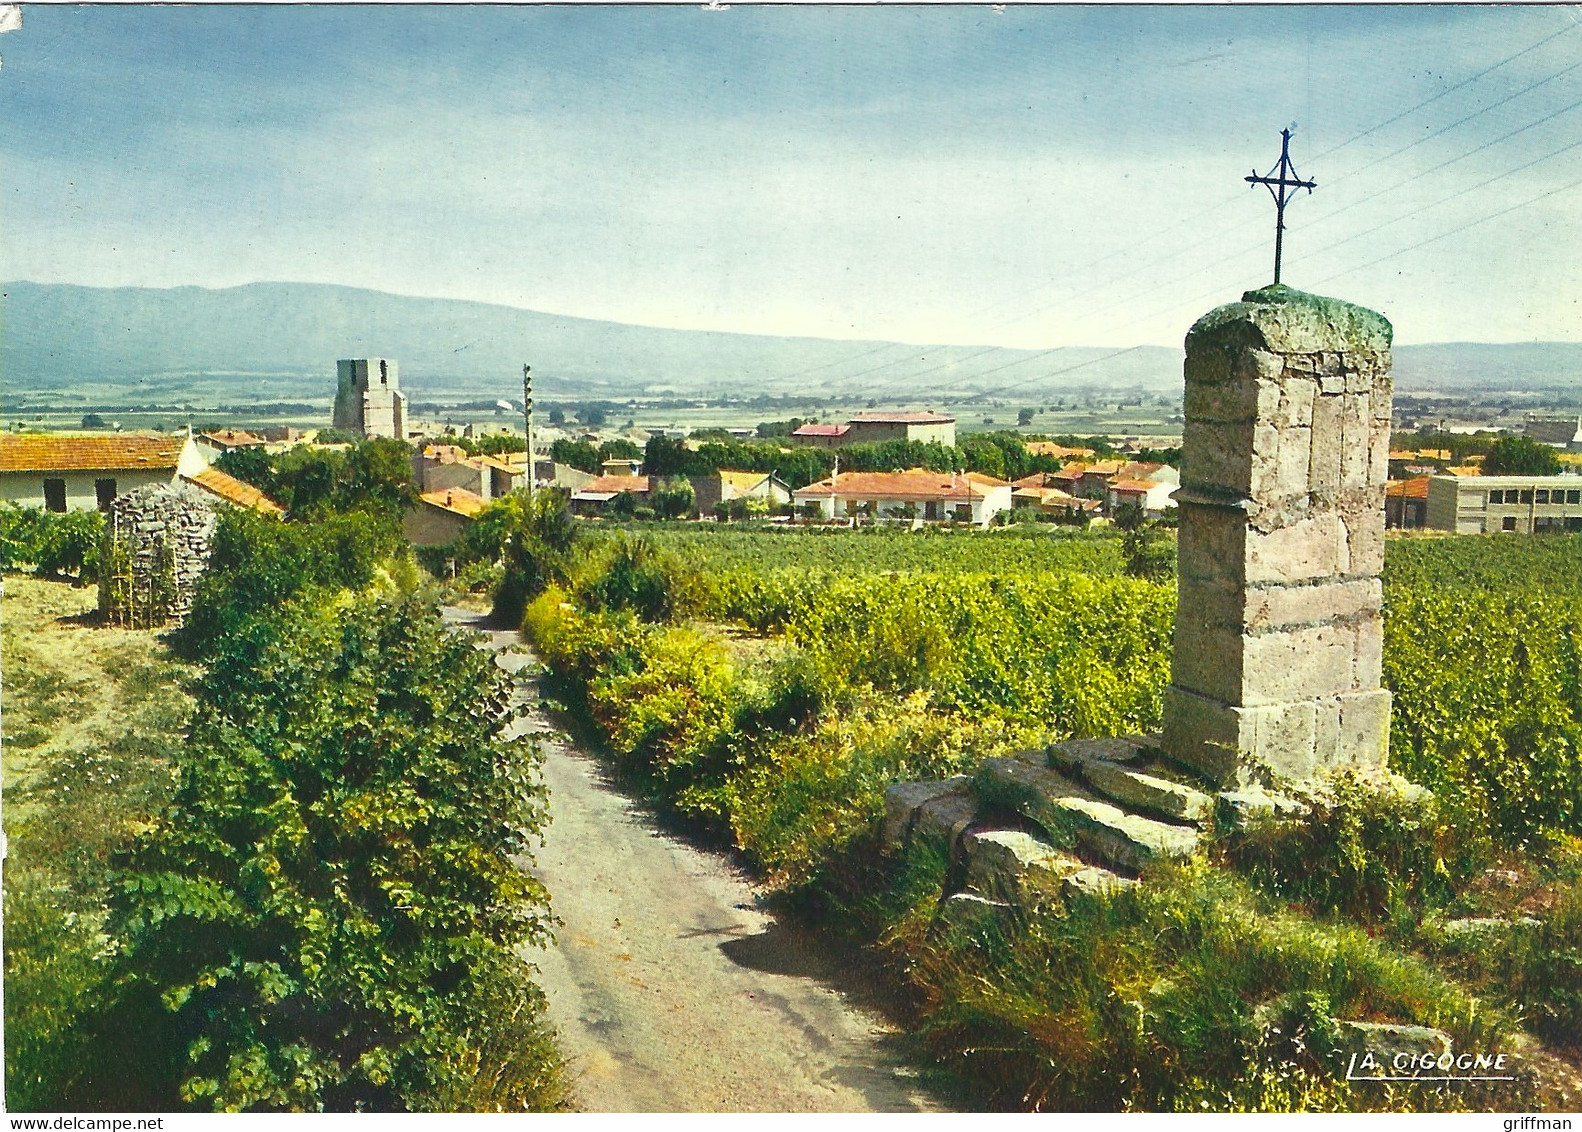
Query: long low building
913	495
1505	504
73	473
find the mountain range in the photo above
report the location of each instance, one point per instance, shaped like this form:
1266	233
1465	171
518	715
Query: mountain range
282	340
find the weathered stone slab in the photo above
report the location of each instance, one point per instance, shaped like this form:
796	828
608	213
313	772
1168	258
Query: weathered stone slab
1152	793
1074	817
963	908
1119	749
1013	865
1092	881
1238	809
903	800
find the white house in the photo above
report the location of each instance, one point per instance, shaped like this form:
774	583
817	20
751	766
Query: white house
72	473
914	495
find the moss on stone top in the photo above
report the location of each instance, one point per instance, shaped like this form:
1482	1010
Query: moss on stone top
1289	321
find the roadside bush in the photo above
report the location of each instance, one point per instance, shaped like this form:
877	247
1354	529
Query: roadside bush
536	540
330	913
258	563
634	575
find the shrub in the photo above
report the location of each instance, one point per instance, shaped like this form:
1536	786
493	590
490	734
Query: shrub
329	916
634	575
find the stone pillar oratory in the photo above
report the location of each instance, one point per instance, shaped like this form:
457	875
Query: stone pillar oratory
1279	631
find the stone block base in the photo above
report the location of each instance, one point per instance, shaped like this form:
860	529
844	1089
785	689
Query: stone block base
1298	741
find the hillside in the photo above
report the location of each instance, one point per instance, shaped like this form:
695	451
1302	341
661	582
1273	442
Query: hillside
280	341
288	335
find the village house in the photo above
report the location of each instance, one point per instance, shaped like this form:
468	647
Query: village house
592	497
216	442
1153	496
723	486
441	516
1107	484
78	473
1406	504
924	426
915	495
71	473
1058	451
1051	500
621	466
1475	504
438	467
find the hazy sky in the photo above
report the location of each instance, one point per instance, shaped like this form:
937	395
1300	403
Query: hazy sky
1029	177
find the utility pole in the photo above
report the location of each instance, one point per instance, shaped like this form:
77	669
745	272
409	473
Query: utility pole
527	424
1277	182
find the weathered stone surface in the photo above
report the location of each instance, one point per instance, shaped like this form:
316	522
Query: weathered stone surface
155	548
945	818
961	908
1074	817
1013	865
1120	749
901	803
1153	793
1238	809
1386	1039
1091	881
1281	541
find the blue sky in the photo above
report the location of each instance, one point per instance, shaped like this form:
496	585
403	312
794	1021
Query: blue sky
1033	177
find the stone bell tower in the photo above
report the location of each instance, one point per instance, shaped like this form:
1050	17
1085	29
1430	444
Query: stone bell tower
1279	631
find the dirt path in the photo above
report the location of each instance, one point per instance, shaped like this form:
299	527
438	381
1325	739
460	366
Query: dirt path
671	991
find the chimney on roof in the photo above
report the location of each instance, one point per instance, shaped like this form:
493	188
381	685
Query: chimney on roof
447	499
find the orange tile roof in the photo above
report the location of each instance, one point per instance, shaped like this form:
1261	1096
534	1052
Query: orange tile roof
615	484
910	416
913	484
234	438
233	490
1140	486
1408	489
1058	451
822	430
89	453
1102	468
456	500
1464	470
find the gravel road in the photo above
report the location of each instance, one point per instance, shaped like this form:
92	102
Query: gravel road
672	992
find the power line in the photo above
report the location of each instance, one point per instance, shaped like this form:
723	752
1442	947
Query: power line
1445	200
1007	320
1453	231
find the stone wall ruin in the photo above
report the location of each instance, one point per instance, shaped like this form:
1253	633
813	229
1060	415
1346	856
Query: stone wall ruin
156	546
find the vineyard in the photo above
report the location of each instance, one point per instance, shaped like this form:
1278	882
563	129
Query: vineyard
768	685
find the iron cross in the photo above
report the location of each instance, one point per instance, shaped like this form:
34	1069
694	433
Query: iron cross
1282	177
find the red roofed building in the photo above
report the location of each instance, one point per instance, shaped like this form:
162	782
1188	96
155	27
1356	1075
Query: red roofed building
821	435
876	427
229	489
72	473
911	496
441	516
591	497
